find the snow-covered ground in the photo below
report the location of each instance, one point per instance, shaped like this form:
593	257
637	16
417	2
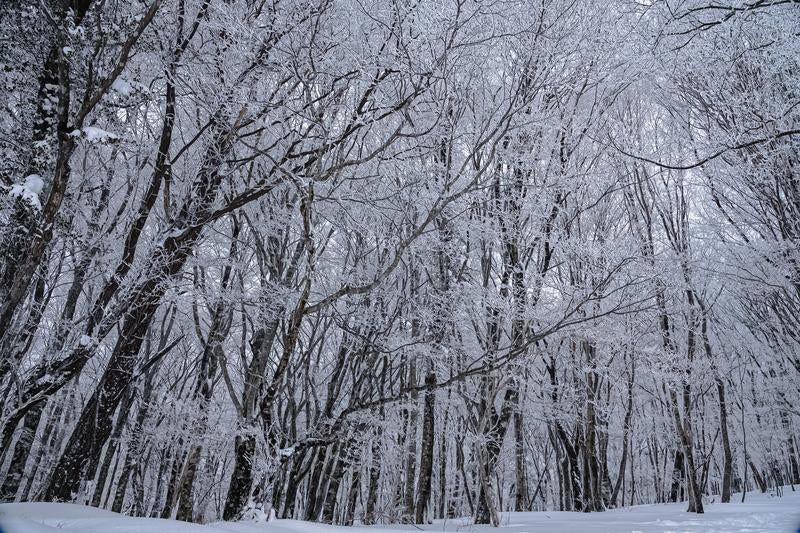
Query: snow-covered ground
759	513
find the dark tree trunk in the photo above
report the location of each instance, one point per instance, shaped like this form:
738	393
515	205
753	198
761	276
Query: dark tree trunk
411	448
626	429
684	434
136	444
794	462
374	477
44	446
334	482
727	466
204	390
314	483
571	476
521	480
352	497
19	454
678	474
592	484
495	435
296	476
762	484
174	479
442	511
95	424
242	479
426	458
111	449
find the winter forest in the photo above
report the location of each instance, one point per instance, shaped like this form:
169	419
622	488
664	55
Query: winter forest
386	262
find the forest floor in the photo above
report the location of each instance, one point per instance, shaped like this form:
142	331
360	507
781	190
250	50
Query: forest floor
759	513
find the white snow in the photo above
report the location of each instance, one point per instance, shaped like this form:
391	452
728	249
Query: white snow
122	86
85	340
286	452
760	513
95	134
34	183
29	190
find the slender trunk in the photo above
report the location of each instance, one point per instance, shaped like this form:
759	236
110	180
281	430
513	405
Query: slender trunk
136	444
727	467
794	462
314	483
295	478
44	446
352	497
111	449
242	480
495	433
334	482
591	472
464	479
762	484
374	476
411	449
626	428
174	478
684	433
426	458
678	473
521	480
204	390
19	454
442	509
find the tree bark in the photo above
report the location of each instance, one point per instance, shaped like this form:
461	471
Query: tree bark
111	449
242	478
426	458
727	466
374	476
19	454
626	428
411	447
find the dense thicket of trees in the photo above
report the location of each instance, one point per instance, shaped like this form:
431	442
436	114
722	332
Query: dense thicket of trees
359	262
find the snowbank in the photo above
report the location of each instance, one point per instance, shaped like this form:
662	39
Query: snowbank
760	513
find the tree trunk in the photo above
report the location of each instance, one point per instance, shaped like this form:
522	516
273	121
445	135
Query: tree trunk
495	433
204	390
678	473
95	425
111	449
762	484
727	466
44	446
411	448
242	479
352	497
442	510
521	480
136	444
626	428
374	477
19	454
426	458
684	433
334	482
